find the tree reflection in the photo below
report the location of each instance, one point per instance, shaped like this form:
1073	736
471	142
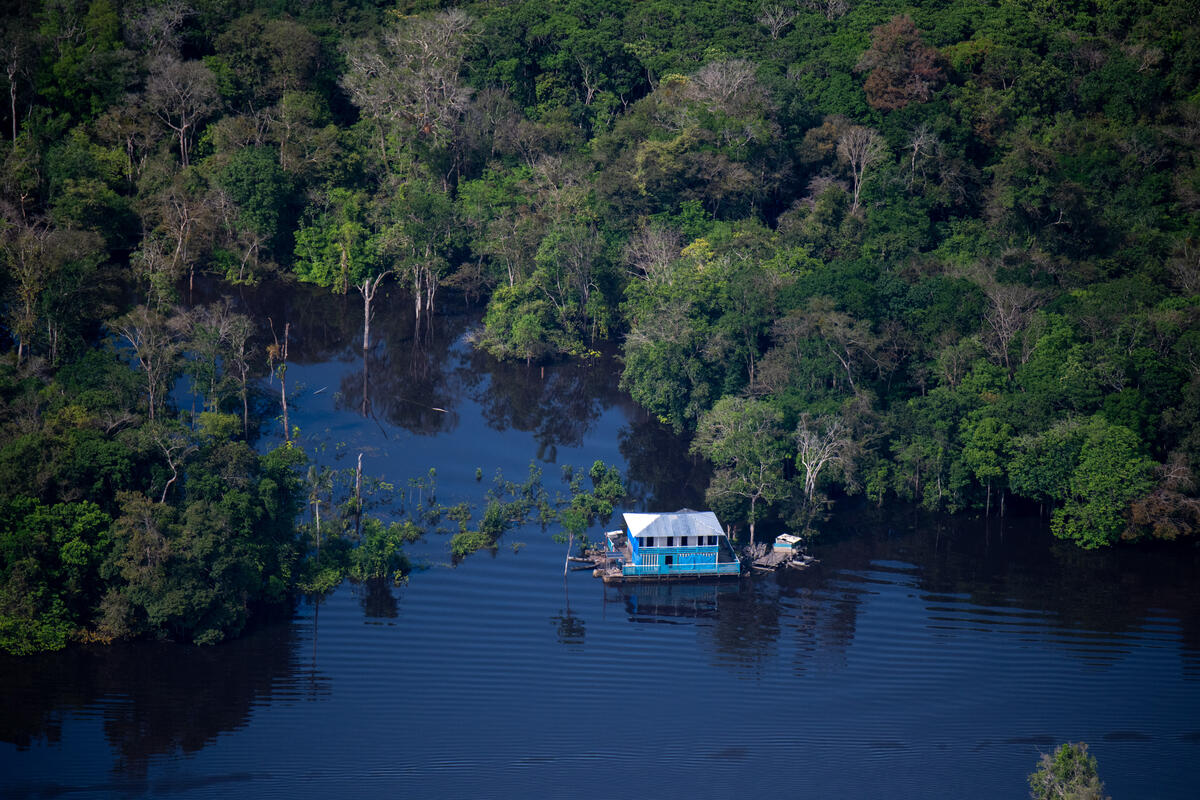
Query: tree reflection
153	699
1015	563
568	628
557	403
409	382
660	474
747	626
378	600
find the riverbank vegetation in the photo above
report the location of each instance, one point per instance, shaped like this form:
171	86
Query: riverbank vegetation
943	254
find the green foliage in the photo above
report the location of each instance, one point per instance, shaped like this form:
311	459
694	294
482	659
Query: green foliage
520	324
260	188
49	563
336	248
381	554
1068	774
1111	473
744	441
1004	300
585	508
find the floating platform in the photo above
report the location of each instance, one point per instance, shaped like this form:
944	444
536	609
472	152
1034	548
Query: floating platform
679	546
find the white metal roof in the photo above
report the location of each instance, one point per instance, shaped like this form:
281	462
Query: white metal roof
684	522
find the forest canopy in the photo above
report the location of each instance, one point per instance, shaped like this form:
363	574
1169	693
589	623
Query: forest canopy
942	253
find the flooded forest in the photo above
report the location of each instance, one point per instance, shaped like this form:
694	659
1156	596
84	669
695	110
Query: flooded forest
328	328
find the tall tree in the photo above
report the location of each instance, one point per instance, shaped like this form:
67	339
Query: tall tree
901	68
860	148
156	344
743	438
821	443
408	79
181	94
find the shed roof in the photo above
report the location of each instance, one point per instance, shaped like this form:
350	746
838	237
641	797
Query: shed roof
684	522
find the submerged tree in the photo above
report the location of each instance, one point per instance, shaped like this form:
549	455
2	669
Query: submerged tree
1069	774
156	343
337	249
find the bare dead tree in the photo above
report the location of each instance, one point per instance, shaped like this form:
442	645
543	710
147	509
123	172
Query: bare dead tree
277	353
238	354
367	289
860	148
181	94
820	443
731	89
921	145
18	55
175	447
411	76
775	17
651	251
1011	309
155	28
1184	266
156	341
832	9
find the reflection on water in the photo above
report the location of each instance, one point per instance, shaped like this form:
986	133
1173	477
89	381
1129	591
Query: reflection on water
153	699
663	602
922	657
914	659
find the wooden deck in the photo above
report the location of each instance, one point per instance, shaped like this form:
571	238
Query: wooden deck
607	566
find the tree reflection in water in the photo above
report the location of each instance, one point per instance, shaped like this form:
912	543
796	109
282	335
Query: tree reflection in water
964	574
154	699
557	403
660	473
378	599
408	382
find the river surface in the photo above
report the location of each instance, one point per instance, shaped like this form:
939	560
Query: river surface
922	658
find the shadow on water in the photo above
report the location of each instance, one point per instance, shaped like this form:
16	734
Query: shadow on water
378	599
667	602
154	699
965	573
1013	563
557	403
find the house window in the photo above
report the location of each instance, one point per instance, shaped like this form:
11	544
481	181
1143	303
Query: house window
648	541
670	541
712	541
670	559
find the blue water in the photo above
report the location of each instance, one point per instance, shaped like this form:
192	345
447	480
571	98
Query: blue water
922	658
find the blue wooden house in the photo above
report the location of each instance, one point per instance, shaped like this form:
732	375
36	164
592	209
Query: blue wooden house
681	545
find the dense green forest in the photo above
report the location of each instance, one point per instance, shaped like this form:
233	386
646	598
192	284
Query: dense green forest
948	254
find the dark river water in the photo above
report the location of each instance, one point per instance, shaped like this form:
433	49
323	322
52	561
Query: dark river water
922	658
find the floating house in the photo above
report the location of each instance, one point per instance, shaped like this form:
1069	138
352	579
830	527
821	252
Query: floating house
682	545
